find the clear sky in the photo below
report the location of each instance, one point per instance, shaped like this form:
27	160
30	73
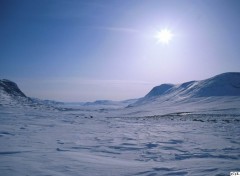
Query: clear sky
84	50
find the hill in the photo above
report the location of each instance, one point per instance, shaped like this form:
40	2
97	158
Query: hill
226	84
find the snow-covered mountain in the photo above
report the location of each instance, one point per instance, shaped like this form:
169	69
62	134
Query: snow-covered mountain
226	84
110	103
217	93
10	88
12	96
99	102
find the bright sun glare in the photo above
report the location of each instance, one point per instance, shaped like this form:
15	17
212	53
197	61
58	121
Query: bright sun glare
164	36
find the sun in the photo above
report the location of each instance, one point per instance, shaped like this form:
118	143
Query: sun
164	36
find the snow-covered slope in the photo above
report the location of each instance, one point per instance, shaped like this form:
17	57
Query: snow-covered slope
159	90
226	84
12	97
219	94
10	94
10	88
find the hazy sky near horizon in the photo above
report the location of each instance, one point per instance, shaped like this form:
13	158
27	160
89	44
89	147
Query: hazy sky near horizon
84	50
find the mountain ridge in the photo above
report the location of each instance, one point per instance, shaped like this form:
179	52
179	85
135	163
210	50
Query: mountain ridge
225	84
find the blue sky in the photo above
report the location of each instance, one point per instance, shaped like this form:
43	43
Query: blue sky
73	50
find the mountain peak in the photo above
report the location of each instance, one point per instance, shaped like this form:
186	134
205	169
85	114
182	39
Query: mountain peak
225	84
159	90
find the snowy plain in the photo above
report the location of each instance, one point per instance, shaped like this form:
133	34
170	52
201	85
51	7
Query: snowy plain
184	137
33	142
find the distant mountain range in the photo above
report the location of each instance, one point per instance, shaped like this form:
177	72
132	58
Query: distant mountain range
226	84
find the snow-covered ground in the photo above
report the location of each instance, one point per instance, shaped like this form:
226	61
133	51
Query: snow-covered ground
37	142
188	129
